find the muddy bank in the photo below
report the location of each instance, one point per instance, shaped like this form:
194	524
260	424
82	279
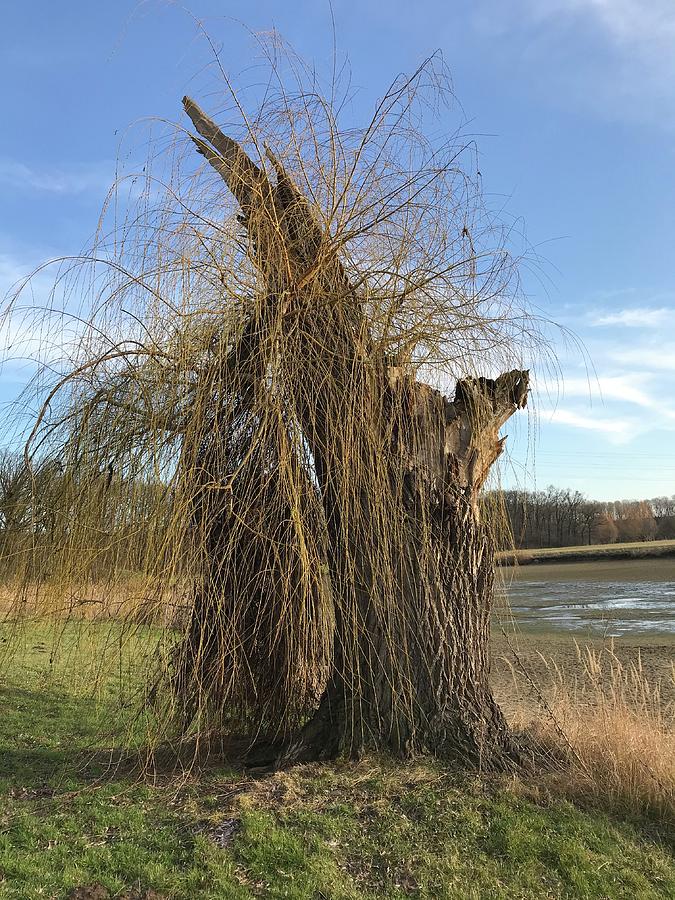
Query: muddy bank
528	663
590	599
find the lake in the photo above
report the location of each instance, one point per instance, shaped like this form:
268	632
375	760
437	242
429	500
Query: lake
610	598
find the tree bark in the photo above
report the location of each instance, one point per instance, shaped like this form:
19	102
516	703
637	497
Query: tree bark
412	595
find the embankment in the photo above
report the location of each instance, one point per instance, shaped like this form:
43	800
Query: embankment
637	550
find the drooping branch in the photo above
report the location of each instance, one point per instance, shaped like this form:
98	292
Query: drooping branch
321	518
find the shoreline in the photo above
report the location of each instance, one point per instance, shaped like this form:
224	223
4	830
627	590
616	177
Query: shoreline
590	553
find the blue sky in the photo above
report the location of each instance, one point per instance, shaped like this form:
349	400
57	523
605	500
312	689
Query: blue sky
573	106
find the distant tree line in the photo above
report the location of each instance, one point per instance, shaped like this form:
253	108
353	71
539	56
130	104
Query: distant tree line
560	517
36	527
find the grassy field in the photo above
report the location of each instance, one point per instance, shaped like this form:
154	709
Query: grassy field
369	830
633	550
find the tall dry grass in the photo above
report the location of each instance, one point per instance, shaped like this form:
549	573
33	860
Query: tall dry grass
615	721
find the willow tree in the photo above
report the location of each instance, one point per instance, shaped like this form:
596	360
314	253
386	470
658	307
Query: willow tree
261	346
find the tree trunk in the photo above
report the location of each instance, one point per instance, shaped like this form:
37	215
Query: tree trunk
411	565
422	683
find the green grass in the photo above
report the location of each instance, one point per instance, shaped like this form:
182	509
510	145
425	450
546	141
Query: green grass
370	830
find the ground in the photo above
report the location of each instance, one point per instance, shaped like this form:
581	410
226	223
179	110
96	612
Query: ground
626	550
547	656
375	829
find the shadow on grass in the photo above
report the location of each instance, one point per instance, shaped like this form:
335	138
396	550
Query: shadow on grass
50	738
51	742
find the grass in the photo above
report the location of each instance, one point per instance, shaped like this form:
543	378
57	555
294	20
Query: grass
627	550
375	829
620	722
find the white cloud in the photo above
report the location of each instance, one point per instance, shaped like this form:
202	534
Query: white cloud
609	387
619	430
614	57
636	317
95	177
658	358
625	22
618	403
16	274
28	330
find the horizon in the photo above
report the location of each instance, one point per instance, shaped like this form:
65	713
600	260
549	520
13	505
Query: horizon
582	157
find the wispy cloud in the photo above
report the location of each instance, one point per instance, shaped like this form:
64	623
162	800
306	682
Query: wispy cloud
95	177
15	273
619	402
657	358
636	317
613	387
22	333
614	56
626	23
629	22
619	430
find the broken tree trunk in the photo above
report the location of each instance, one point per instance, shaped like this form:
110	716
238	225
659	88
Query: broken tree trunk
398	468
421	679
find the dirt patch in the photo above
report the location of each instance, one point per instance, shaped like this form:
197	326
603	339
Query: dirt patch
89	892
99	892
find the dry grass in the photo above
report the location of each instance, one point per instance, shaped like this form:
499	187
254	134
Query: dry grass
128	601
619	727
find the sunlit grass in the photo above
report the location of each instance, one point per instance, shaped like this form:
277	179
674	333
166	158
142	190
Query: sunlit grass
368	830
610	722
637	549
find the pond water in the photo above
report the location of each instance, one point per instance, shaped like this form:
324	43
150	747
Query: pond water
611	598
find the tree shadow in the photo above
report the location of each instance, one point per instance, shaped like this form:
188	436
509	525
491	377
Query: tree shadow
45	740
53	742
